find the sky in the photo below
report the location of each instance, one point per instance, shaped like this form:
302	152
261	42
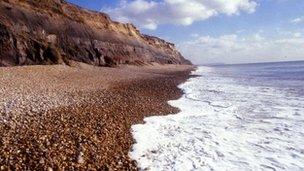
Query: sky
217	31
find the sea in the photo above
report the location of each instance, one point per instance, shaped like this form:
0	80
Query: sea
232	117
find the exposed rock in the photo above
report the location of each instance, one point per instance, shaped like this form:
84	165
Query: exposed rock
54	31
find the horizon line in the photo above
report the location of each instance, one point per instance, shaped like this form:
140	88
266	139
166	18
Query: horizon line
244	63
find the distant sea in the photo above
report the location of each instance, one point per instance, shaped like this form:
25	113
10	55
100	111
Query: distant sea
233	117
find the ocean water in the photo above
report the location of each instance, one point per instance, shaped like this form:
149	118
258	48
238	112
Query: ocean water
233	117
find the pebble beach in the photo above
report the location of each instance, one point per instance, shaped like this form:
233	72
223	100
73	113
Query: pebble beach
79	118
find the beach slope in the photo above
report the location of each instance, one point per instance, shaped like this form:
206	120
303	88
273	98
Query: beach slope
61	117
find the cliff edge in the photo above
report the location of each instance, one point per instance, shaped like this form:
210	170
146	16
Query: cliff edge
54	31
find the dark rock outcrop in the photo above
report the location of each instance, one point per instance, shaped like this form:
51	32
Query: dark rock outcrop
54	31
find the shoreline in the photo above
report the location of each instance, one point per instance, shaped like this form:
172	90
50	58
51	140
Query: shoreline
94	132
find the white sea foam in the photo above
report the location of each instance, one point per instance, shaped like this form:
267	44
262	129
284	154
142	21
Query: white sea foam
224	125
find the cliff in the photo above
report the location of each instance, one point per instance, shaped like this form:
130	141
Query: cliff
54	31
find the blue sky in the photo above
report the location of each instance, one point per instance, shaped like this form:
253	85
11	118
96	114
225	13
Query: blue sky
217	30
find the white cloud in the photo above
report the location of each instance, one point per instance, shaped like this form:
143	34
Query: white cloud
235	49
297	20
297	34
151	13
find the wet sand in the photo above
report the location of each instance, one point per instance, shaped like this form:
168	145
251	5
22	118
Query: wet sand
79	118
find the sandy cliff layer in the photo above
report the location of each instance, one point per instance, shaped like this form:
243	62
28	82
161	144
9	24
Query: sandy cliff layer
54	31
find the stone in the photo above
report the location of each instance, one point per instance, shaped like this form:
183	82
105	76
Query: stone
80	158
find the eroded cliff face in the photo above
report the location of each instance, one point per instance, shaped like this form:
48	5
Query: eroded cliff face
54	31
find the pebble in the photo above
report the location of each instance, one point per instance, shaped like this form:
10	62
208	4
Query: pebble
80	159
